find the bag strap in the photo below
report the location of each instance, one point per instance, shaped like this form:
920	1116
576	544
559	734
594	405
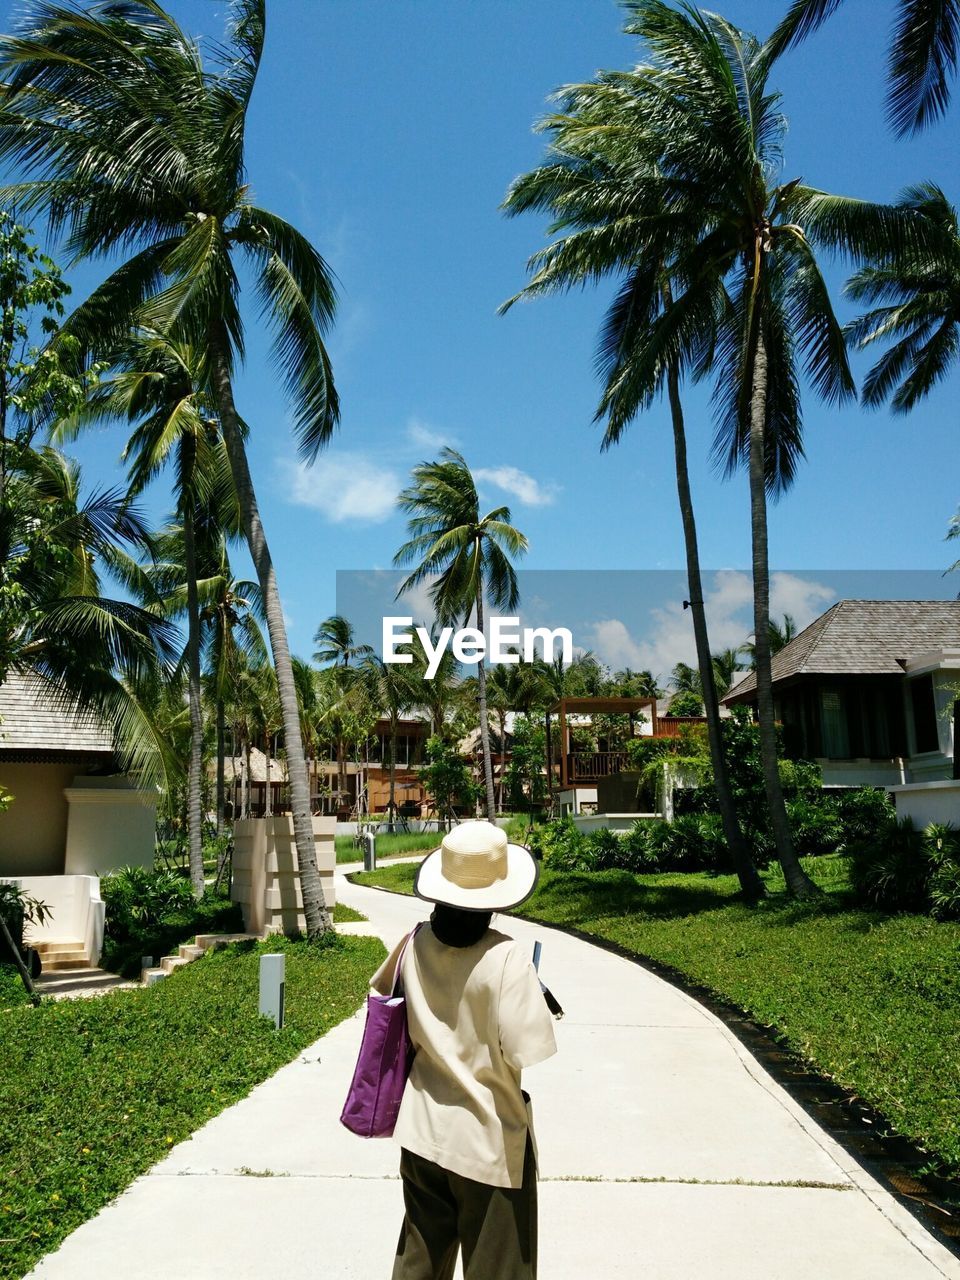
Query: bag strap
403	951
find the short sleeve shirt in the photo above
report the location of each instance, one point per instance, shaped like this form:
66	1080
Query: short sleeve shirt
476	1017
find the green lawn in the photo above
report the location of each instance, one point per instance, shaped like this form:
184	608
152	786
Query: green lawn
94	1092
873	1000
400	845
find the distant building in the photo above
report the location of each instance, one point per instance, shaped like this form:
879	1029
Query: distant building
871	691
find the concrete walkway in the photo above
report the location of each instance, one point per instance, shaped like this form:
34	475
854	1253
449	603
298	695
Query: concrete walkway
666	1152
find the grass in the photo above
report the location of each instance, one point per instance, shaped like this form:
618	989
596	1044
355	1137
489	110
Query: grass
94	1092
872	1000
342	914
399	845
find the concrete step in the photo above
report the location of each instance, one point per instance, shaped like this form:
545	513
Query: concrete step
73	983
65	961
190	952
169	963
207	940
149	976
49	947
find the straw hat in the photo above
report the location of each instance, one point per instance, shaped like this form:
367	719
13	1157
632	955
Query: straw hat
477	869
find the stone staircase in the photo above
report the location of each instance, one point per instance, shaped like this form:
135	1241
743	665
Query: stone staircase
63	956
192	951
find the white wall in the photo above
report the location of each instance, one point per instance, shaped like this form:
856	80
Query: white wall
111	823
76	910
927	802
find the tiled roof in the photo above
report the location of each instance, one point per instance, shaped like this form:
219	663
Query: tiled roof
34	718
864	637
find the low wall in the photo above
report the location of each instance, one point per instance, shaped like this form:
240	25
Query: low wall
615	821
76	911
266	877
111	823
927	802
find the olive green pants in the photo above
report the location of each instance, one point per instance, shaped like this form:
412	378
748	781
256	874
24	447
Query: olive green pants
495	1227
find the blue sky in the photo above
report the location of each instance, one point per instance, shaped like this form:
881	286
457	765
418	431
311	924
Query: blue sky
389	134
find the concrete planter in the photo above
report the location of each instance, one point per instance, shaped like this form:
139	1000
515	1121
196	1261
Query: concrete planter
266	878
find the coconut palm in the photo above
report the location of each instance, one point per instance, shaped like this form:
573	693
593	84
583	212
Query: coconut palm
154	387
914	307
337	647
922	59
132	143
596	184
465	556
722	277
389	687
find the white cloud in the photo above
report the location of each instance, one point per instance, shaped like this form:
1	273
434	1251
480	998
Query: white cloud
416	602
728	602
422	436
342	487
530	492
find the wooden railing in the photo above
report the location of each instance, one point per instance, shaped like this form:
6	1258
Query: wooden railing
587	766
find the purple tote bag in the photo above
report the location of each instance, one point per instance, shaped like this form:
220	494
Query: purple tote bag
386	1056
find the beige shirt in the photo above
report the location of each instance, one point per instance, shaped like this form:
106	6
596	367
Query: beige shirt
477	1017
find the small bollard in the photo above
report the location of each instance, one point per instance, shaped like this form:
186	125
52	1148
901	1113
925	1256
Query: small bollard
272	974
146	962
369	851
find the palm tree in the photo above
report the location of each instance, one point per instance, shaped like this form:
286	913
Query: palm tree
337	647
744	295
726	666
608	226
510	687
130	141
388	687
922	59
779	635
467	554
154	385
914	305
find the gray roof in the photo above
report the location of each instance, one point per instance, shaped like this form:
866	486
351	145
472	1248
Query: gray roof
33	718
864	637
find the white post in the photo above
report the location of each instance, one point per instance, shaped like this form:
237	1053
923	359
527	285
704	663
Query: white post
272	974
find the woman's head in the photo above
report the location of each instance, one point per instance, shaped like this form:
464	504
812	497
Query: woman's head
457	928
477	869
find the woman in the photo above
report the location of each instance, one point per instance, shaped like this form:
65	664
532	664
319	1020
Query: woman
476	1017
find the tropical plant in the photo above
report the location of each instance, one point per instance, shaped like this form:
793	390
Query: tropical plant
465	556
154	385
921	62
17	908
914	307
446	777
390	689
779	636
338	648
126	137
748	300
601	184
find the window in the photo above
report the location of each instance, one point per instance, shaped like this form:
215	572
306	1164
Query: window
924	714
833	725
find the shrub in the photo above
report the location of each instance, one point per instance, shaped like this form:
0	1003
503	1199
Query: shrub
891	868
816	826
149	912
943	888
862	812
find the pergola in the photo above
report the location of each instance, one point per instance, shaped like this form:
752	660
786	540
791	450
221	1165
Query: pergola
587	767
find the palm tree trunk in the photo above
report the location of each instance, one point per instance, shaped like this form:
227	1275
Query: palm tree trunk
268	792
316	914
502	720
18	961
484	722
750	882
195	766
248	781
392	773
798	882
221	763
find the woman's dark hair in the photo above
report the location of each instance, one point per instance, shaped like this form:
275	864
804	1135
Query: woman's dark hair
456	928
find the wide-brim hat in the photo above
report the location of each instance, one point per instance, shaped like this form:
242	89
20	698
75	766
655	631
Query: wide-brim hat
476	868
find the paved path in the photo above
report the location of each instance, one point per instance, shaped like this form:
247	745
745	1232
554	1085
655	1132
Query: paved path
666	1152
